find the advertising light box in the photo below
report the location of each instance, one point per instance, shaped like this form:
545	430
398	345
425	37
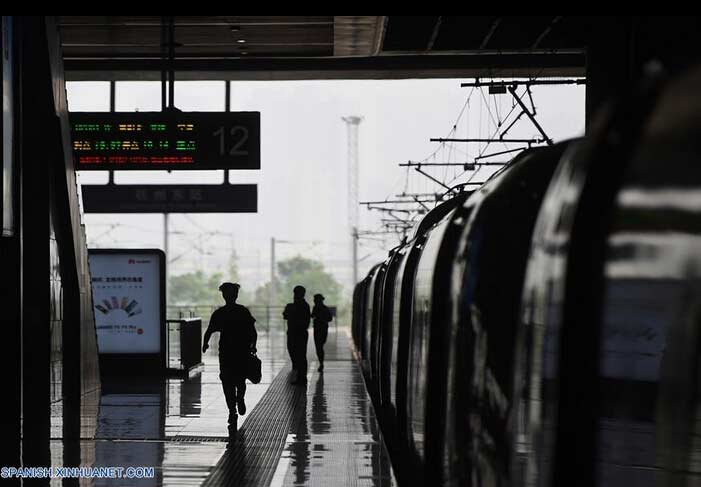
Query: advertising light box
128	299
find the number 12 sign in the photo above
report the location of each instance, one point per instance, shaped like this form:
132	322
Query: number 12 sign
169	140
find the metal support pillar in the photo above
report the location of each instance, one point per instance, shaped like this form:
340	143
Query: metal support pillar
352	123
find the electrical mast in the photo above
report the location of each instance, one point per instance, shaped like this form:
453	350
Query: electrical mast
352	123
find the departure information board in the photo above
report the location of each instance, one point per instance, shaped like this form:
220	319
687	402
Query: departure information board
169	140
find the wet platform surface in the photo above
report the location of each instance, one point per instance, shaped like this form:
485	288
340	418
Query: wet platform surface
324	434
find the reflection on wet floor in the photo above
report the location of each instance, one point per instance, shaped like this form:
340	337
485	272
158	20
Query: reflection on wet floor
326	435
336	441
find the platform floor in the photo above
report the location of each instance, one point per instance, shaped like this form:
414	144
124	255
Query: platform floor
324	434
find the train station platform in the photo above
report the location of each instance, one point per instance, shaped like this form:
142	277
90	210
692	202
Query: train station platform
324	434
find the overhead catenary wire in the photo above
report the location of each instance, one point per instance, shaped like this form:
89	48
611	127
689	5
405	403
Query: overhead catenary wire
454	161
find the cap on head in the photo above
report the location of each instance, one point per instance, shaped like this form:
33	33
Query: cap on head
318	297
229	286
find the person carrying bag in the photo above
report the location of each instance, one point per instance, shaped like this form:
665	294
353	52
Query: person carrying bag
253	368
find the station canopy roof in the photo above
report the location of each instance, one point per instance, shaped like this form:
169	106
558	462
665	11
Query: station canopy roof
318	47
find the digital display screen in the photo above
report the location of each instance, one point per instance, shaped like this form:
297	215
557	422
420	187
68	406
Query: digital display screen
169	140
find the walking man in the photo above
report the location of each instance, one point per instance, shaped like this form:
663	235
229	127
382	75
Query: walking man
237	340
298	316
322	316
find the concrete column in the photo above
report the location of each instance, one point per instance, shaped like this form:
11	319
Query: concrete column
37	147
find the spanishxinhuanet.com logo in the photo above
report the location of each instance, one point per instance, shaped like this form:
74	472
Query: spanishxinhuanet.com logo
138	472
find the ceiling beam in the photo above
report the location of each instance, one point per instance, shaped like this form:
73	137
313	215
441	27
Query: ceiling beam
434	34
371	67
548	29
490	33
356	35
380	34
194	24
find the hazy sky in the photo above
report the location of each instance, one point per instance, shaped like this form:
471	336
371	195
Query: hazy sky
302	184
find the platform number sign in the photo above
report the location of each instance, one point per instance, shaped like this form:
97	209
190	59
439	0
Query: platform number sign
234	143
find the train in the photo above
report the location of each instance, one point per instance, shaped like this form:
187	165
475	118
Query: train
545	329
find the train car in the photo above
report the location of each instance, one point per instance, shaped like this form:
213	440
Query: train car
555	386
607	375
378	282
388	337
383	306
392	297
571	357
649	344
360	306
481	289
425	363
394	349
467	290
357	313
365	328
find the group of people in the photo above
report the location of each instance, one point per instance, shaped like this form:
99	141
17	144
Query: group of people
238	337
298	316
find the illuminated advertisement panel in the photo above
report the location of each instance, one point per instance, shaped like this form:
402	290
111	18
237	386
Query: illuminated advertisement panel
128	291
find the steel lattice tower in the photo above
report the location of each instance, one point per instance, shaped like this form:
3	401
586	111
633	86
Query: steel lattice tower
352	123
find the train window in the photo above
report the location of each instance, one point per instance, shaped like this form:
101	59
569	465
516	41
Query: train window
8	146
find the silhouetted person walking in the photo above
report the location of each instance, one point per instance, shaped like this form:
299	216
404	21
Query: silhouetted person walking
298	316
237	340
321	315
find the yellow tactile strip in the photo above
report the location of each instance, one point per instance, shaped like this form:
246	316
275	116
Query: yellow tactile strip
252	458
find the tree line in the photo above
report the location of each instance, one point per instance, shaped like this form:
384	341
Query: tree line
200	288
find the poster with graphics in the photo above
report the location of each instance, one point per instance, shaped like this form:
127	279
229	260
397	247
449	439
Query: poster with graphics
127	289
